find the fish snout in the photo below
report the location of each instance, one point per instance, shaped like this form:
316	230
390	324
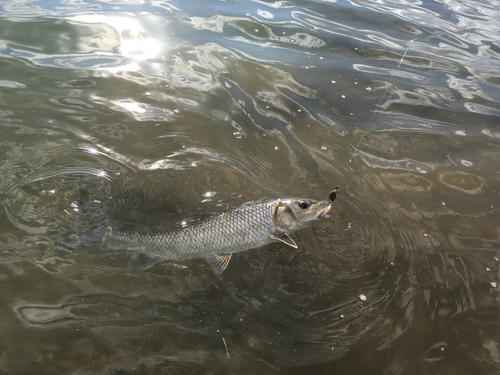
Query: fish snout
324	214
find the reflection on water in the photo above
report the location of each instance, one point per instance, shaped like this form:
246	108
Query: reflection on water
163	113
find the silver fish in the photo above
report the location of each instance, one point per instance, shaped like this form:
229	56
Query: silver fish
249	226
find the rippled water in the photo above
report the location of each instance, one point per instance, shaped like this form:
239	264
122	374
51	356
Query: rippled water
163	111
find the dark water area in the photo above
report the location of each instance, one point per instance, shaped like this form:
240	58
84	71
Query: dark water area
166	111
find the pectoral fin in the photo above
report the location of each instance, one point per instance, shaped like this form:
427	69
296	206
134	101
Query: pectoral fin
219	262
283	237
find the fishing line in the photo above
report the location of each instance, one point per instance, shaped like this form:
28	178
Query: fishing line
333	194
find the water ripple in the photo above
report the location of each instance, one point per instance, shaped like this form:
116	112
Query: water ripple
160	113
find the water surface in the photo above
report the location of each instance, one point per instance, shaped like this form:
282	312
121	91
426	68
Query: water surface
166	111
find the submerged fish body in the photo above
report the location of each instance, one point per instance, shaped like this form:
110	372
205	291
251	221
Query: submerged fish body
240	229
245	227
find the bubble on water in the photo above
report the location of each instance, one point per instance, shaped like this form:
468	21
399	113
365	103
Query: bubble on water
292	40
368	89
466	163
342	96
324	148
426	235
265	14
362	297
238	135
488	269
299	110
182	79
225	57
276	148
176	111
333	81
342	316
209	194
444	204
494	284
420	170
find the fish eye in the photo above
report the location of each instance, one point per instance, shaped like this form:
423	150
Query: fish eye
303	205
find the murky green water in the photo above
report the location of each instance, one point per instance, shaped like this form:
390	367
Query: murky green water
162	111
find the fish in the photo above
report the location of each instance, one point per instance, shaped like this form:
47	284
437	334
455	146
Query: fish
251	225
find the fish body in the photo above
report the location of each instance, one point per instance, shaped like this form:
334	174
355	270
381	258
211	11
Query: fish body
249	226
242	228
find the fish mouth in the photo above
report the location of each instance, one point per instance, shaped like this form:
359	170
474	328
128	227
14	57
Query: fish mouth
324	214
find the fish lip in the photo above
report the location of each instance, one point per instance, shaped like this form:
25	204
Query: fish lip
324	214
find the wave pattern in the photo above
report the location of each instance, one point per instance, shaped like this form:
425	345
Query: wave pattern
162	113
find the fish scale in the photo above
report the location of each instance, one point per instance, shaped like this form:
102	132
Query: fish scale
242	228
249	226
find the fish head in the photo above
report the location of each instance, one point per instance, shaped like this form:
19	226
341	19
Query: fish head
293	214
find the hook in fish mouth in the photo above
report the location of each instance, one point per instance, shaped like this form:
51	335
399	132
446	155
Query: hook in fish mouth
333	194
324	213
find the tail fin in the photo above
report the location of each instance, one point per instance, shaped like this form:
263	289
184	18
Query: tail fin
94	212
84	240
80	240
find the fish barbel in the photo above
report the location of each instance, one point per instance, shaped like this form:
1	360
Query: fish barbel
249	226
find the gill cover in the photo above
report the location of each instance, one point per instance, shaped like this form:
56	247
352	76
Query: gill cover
291	215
